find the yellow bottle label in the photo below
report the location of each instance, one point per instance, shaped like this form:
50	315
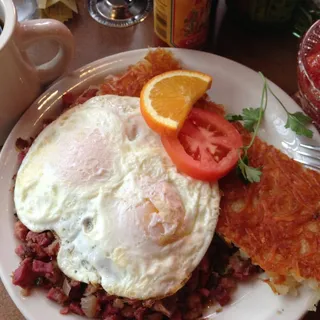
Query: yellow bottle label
182	23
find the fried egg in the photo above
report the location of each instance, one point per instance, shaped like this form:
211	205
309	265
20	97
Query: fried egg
100	179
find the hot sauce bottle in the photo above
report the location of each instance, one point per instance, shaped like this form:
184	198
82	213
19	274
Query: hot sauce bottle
182	23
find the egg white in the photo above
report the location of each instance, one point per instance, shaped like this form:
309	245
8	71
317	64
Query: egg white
126	218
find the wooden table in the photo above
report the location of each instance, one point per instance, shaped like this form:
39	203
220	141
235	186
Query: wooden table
274	55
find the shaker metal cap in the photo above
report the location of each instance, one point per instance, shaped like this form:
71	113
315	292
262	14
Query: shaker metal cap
119	13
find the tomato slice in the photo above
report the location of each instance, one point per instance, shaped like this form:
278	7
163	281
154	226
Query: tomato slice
206	147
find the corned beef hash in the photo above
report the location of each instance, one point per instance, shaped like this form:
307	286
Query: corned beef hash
112	229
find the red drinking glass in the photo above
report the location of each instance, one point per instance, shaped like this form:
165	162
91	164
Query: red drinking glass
309	73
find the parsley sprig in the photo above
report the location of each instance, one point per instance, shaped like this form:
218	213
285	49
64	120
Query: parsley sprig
296	121
252	118
249	116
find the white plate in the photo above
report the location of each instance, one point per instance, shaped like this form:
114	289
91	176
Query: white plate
236	87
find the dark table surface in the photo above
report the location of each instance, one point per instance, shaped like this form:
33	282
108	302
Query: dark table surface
273	53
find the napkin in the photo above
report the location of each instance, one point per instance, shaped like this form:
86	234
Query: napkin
61	10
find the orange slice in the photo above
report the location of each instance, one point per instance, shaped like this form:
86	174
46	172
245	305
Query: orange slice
166	100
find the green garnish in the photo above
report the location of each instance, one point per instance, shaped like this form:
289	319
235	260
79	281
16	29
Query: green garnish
249	116
246	172
39	281
233	117
296	121
252	118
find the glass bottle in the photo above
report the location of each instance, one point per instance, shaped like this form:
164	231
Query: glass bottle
183	24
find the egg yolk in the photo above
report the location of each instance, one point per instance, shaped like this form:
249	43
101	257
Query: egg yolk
163	212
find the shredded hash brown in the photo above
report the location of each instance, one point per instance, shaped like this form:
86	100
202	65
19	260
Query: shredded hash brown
136	76
276	222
